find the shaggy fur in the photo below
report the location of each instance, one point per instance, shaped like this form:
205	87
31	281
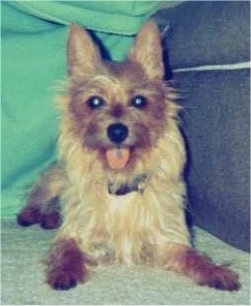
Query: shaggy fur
130	210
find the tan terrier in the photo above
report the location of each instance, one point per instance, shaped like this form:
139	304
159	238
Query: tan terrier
119	175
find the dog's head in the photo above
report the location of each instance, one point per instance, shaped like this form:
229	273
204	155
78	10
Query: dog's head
117	109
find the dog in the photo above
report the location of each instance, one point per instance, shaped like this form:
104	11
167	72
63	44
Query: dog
119	174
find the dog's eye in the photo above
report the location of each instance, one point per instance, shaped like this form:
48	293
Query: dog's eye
139	102
95	102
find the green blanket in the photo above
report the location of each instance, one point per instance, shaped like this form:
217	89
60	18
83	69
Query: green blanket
34	35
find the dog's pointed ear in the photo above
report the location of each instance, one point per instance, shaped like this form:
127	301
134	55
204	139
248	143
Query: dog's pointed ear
147	51
83	57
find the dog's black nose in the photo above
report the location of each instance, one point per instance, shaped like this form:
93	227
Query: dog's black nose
117	132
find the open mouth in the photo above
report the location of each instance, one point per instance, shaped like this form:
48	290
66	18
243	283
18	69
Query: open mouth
117	158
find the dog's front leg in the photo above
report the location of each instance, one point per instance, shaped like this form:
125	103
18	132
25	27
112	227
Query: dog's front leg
201	269
66	265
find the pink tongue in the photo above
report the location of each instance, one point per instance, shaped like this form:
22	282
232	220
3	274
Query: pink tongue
117	158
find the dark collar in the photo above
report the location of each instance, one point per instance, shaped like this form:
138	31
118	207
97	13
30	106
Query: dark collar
137	184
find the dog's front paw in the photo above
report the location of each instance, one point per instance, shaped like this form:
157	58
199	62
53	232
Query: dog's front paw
66	265
62	279
220	277
202	270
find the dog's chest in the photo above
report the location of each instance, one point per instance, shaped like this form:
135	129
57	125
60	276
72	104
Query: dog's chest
121	203
124	230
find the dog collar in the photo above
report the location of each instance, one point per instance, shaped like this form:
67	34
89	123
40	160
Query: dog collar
137	185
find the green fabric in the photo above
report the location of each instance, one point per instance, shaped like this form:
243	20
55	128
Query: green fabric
34	35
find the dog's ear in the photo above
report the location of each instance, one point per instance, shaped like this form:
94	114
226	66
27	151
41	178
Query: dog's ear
147	51
82	54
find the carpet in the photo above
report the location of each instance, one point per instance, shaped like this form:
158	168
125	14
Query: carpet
23	276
